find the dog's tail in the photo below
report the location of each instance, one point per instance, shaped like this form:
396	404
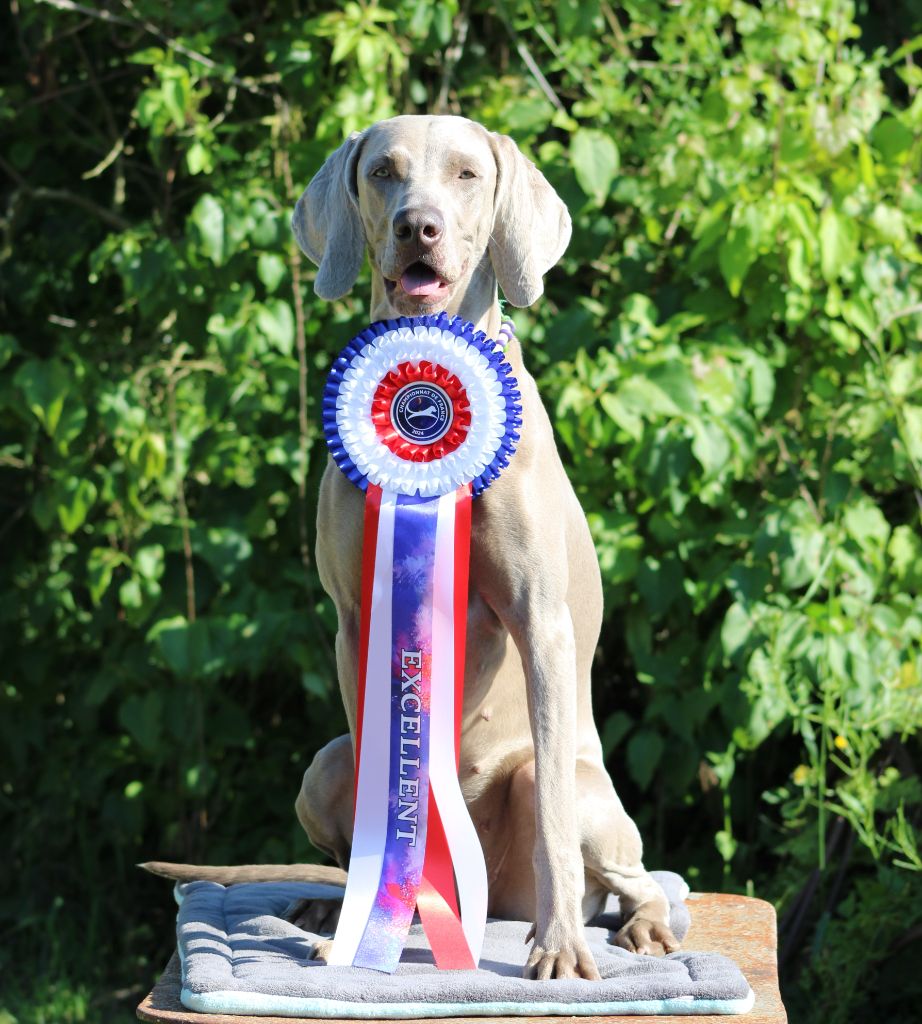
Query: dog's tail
247	873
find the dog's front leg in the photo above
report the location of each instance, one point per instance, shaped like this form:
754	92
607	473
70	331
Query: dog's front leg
543	634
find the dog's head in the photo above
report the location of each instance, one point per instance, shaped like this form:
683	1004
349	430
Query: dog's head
443	206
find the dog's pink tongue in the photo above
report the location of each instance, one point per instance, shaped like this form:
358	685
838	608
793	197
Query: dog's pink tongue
420	280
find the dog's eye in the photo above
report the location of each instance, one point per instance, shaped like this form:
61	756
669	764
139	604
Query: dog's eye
467	173
380	172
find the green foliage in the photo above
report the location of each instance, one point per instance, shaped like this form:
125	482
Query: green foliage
864	965
731	349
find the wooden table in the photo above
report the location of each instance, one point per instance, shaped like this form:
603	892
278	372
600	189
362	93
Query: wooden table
737	926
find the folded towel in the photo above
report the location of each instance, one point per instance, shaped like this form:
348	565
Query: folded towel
239	956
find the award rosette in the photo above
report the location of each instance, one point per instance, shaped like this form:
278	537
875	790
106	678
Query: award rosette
422	414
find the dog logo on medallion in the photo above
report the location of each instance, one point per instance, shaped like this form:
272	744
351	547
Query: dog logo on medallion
421	412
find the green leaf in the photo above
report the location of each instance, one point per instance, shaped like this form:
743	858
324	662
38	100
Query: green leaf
150	107
674	379
46	385
890	223
149	55
176	96
71	422
185	646
527	114
148	452
659	582
224	549
644	750
149	561
736	255
315	685
761	384
141	716
859	312
276	323
441	23
9	346
912	434
263	224
710	445
346	41
595	160
837	243
866	524
891	138
616	727
905	554
627	420
904	375
271	268
44	507
723	765
617	543
807	544
736	629
208	217
198	159
641	396
130	594
75	499
199	777
101	564
798	266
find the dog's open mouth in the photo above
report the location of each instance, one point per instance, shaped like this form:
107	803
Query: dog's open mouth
420	281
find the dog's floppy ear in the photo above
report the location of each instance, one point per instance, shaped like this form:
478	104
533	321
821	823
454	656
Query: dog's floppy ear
531	224
327	224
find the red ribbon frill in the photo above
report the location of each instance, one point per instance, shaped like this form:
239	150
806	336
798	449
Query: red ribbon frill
430	373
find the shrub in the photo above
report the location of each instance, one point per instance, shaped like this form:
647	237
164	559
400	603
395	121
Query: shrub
730	349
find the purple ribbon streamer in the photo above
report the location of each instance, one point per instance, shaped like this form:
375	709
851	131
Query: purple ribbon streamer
411	657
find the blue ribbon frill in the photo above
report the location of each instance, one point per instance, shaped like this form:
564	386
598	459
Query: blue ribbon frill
460	328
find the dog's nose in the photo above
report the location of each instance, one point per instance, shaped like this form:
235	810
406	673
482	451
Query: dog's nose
421	224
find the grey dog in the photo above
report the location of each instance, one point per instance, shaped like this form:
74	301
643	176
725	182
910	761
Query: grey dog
447	212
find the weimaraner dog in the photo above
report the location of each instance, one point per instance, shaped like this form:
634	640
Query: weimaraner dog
446	212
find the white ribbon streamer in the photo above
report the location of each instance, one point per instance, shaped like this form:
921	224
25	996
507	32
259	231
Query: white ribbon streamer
372	793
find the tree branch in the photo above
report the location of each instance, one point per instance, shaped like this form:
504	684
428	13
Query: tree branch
453	55
294	267
150	27
529	61
62	196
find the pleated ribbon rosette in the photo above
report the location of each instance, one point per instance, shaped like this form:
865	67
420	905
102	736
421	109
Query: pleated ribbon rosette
422	414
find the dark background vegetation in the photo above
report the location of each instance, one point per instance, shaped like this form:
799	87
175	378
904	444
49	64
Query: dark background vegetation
731	353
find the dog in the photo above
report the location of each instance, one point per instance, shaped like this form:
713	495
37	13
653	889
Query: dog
447	212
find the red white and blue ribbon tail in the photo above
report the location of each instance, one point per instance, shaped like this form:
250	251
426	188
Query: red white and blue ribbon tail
422	414
414	845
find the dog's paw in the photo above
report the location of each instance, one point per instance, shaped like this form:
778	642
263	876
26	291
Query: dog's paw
569	957
320	951
318	916
641	935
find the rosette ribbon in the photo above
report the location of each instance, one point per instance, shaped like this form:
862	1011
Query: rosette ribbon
422	414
